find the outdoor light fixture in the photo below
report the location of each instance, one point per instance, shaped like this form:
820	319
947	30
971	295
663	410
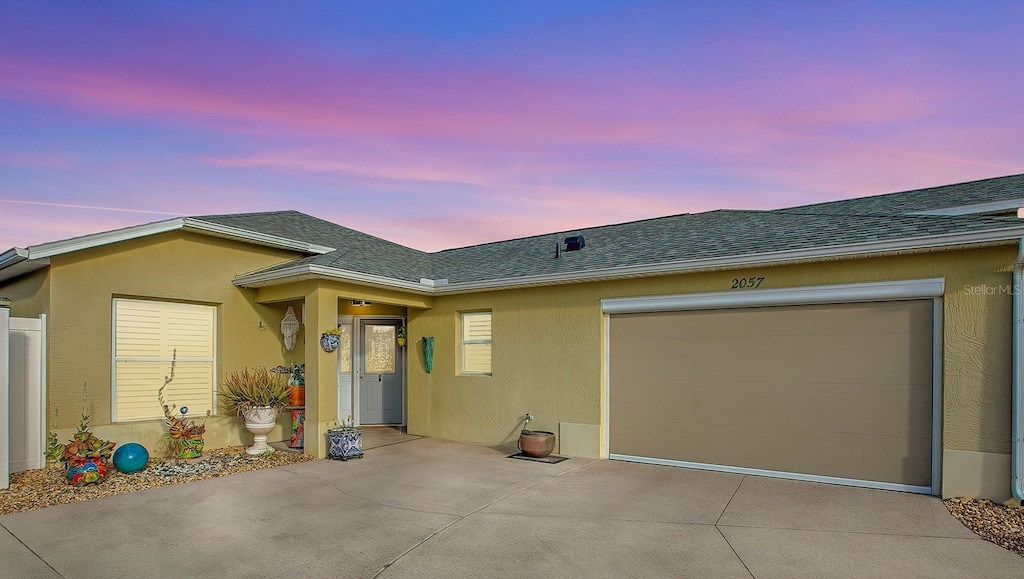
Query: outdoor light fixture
361	303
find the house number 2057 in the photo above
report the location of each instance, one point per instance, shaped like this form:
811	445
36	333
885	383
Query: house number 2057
746	282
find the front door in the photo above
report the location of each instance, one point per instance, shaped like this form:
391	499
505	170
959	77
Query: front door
380	372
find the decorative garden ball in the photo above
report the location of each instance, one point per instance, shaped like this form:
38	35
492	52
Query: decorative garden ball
131	457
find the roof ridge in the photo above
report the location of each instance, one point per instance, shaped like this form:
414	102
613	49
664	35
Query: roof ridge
599	227
904	192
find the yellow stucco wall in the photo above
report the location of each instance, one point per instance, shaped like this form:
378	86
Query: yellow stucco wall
175	266
547	346
29	294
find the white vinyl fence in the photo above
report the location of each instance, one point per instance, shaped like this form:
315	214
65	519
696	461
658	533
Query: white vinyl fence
22	394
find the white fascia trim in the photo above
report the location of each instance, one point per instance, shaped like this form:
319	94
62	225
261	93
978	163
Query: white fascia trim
98	239
95	240
732	262
974	209
779	474
822	294
12	256
312	271
256	237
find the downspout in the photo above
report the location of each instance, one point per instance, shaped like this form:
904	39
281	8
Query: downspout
1017	401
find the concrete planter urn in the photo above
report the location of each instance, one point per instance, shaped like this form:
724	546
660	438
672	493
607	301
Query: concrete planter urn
259	420
536	443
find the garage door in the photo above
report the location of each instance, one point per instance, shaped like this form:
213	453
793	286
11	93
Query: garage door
841	391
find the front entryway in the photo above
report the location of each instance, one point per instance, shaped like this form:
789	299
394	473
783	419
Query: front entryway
381	372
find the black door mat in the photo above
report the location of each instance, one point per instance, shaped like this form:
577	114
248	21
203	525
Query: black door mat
549	459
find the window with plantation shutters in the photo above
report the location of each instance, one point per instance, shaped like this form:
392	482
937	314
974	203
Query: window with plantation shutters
476	343
146	335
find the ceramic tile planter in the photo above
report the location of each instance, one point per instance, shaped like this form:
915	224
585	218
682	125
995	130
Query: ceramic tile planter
345	443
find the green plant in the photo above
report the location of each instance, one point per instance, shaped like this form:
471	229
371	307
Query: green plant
181	433
54	449
333	332
84	445
251	388
402	332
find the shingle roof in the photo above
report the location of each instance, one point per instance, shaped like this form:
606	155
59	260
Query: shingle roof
942	197
676	238
713	234
355	251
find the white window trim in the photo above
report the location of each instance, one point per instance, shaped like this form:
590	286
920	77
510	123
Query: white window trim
114	358
463	342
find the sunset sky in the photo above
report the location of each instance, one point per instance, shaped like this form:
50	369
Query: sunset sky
442	124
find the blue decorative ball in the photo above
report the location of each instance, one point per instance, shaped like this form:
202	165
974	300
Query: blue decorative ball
131	457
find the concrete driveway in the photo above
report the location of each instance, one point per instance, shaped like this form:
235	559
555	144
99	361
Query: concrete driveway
429	508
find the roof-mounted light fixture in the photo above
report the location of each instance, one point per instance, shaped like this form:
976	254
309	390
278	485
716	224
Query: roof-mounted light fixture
361	303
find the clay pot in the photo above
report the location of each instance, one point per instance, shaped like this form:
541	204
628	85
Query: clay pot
536	443
297	396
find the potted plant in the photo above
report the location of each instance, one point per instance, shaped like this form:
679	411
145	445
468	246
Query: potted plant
85	456
330	340
403	336
345	441
535	443
256	395
184	437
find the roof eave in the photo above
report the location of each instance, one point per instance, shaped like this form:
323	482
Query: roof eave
909	245
918	244
229	232
313	271
187	223
15	262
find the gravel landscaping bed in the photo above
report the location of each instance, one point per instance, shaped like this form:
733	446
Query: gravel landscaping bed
994	522
37	489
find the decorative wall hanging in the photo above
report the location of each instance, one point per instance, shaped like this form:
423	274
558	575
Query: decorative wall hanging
290	328
428	354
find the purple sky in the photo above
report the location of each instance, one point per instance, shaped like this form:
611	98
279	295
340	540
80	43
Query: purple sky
441	124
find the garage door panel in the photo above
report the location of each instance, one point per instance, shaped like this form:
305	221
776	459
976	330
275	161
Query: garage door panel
876	359
886	410
818	320
839	390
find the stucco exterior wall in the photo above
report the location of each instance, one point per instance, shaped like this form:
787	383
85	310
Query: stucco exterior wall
29	294
175	266
547	346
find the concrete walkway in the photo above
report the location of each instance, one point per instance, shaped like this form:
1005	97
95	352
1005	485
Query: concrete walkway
429	508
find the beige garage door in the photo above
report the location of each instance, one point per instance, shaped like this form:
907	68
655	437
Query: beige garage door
836	390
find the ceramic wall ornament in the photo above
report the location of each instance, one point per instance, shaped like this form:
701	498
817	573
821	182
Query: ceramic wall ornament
289	328
428	354
329	341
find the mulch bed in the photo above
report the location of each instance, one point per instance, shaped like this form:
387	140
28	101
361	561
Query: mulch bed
1000	524
37	489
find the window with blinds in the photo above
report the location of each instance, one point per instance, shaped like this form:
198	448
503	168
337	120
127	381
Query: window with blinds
476	343
146	335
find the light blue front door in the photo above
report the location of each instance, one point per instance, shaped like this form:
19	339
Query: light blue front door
380	373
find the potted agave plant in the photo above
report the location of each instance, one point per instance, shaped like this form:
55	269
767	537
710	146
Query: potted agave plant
85	456
256	395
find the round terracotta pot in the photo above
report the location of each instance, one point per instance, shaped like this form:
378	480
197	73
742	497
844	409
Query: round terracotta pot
536	443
